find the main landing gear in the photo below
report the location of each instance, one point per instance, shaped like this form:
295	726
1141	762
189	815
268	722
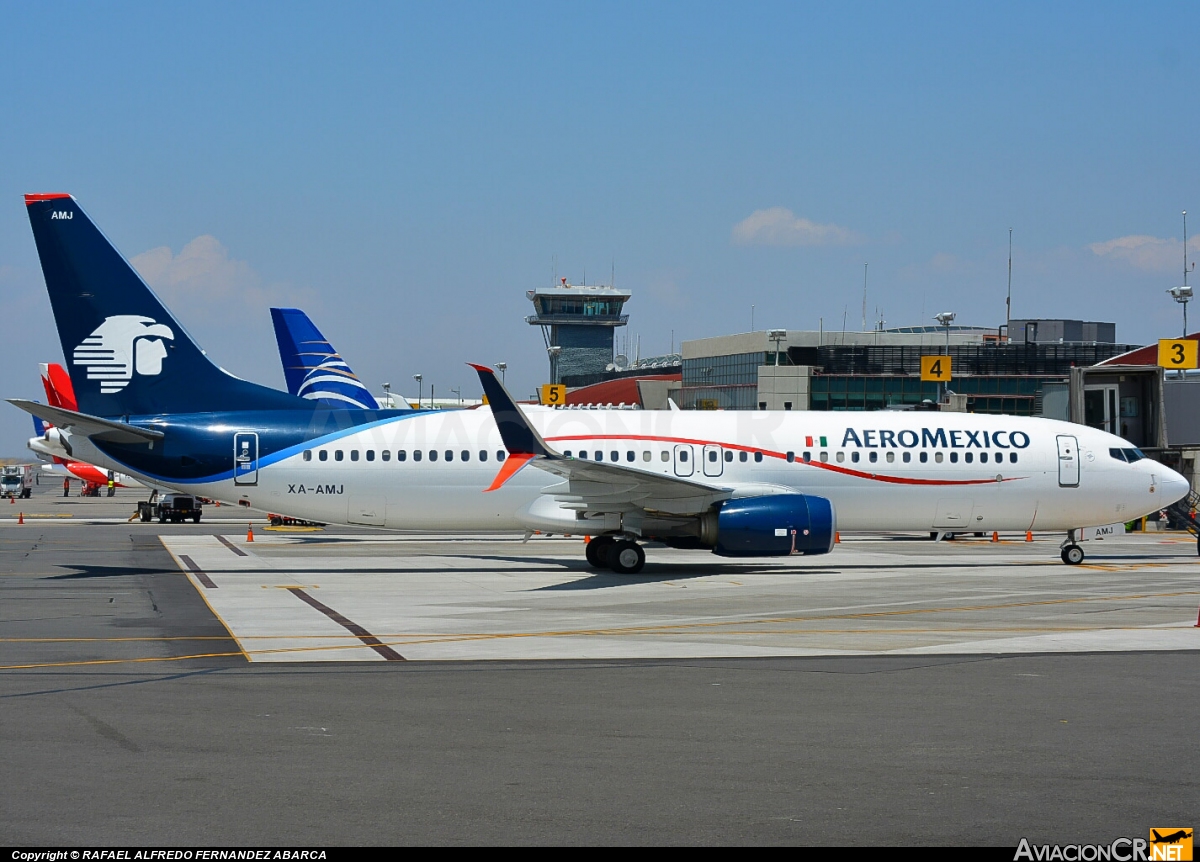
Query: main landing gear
622	556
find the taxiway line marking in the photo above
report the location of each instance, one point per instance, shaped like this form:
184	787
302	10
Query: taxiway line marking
231	546
198	572
354	628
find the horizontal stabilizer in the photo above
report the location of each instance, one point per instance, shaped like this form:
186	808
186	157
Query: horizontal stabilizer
92	427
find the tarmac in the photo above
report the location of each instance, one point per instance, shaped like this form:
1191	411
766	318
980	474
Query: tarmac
176	684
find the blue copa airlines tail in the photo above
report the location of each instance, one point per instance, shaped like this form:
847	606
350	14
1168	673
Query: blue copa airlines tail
312	368
760	483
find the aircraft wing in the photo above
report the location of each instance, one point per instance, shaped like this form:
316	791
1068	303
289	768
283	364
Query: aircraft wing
590	486
92	427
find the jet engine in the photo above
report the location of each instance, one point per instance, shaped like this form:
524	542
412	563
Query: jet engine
770	526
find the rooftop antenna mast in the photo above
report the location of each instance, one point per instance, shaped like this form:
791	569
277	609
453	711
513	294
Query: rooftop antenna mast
864	313
1008	301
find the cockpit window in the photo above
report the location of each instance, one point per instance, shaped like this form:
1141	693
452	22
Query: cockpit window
1119	454
1132	455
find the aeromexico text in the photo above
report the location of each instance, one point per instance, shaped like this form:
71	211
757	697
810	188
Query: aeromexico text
938	438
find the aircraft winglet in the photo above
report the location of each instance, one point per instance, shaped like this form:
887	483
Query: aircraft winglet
522	441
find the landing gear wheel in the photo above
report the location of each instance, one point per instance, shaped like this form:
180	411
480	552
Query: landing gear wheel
1072	555
626	557
596	551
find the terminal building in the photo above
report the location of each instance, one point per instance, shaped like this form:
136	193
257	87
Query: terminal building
805	370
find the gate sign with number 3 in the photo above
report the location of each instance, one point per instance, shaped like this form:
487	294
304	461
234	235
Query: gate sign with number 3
1177	353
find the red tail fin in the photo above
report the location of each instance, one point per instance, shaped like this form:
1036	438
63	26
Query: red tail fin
57	383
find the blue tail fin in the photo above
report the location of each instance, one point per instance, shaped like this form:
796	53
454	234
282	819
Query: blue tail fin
39	427
126	354
312	367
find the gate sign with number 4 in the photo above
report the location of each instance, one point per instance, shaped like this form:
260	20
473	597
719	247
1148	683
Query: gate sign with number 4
936	368
1177	353
554	394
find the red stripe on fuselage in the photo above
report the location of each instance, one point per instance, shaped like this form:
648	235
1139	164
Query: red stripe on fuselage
846	471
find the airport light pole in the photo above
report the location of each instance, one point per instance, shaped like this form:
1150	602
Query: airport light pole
945	318
1183	294
387	395
502	367
777	335
420	390
553	350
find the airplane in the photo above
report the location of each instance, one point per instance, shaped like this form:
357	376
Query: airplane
738	483
1173	838
312	368
59	393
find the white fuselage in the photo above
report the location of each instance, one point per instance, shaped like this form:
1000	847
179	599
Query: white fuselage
883	470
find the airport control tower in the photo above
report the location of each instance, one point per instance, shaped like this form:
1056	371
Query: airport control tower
579	324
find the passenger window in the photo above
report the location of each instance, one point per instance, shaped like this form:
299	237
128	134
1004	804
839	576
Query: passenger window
924	457
308	454
646	455
969	457
323	455
483	454
953	457
983	457
854	457
449	454
466	456
743	456
401	455
758	457
337	454
1012	457
630	456
907	457
712	457
353	454
937	456
567	453
433	454
874	456
891	456
599	456
416	454
683	455
614	456
841	456
370	454
386	454
791	456
824	457
499	454
665	455
728	457
583	454
807	457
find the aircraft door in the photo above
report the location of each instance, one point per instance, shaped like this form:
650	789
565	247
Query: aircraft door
714	463
245	458
684	464
1068	461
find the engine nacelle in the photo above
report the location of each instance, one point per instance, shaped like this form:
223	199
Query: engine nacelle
775	526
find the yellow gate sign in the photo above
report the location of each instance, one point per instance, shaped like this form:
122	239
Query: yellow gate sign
554	394
936	368
1177	353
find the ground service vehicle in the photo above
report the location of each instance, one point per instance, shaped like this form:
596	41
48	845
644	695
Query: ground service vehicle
176	508
16	481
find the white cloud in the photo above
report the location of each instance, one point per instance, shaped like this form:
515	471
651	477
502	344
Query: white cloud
1149	253
781	226
205	281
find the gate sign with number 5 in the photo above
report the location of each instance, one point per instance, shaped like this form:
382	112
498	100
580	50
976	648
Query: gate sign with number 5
1177	353
936	368
554	394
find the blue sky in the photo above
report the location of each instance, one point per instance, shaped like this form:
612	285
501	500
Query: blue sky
406	172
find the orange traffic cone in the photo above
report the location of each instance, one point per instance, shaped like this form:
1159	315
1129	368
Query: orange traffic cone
218	504
1029	535
249	532
21	518
12	501
995	536
1197	625
837	538
586	539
